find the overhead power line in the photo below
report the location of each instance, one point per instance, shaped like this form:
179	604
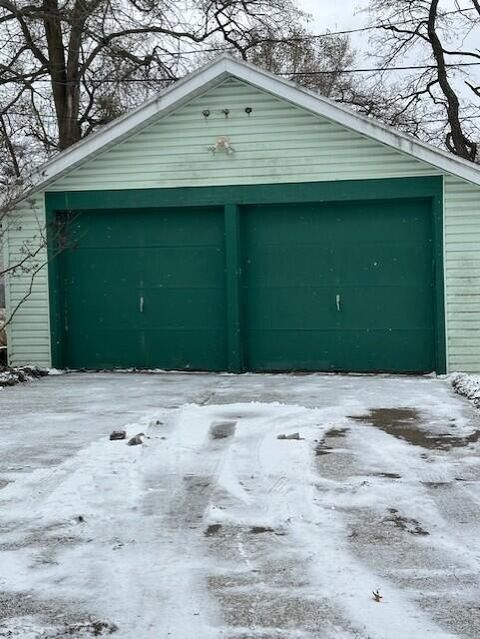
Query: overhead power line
412	67
373	69
307	37
374	27
287	73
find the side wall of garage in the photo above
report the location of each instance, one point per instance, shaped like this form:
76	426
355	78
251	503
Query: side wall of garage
462	271
26	290
276	143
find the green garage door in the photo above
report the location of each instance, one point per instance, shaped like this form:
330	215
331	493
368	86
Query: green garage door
145	289
339	287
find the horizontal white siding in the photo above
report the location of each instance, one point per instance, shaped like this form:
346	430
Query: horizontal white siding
462	268
276	143
29	331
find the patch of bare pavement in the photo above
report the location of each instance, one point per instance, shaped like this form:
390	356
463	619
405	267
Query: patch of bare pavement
223	523
406	424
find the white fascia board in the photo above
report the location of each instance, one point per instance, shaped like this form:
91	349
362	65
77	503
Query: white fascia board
214	73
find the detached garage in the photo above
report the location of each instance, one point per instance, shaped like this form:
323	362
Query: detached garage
238	223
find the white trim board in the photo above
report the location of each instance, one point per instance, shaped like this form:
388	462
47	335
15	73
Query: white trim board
214	73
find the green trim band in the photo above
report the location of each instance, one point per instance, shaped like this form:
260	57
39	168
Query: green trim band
251	194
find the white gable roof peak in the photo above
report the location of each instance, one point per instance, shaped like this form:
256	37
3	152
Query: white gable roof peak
214	73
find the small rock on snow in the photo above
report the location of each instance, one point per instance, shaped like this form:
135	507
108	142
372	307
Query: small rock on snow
292	436
136	440
259	530
118	434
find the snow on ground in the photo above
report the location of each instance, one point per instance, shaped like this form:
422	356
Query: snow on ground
467	385
12	376
215	527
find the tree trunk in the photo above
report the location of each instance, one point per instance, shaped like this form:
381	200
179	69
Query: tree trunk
455	140
65	86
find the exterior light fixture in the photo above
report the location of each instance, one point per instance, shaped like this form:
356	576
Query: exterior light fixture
222	145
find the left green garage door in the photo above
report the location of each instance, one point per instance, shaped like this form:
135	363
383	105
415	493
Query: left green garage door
144	289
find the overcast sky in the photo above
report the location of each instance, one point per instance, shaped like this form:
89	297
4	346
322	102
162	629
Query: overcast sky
338	15
335	14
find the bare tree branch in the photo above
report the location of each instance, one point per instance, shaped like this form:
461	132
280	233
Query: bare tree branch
432	105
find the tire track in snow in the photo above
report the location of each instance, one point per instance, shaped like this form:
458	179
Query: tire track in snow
308	580
260	580
137	552
178	477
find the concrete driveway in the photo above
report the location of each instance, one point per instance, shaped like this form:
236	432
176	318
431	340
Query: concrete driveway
222	525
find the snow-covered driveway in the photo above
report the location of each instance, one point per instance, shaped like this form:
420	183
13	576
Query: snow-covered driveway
215	527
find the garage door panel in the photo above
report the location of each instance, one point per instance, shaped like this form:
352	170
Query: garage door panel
319	264
146	289
145	228
330	351
91	230
389	264
194	309
283	265
328	219
342	286
84	264
385	307
275	308
124	316
360	307
172	267
188	349
153	266
99	348
185	349
93	284
121	345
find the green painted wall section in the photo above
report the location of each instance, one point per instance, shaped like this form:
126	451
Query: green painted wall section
278	142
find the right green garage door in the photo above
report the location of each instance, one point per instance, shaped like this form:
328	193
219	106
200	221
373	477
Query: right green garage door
338	287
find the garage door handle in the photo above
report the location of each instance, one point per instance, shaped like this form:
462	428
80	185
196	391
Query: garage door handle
338	301
142	303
